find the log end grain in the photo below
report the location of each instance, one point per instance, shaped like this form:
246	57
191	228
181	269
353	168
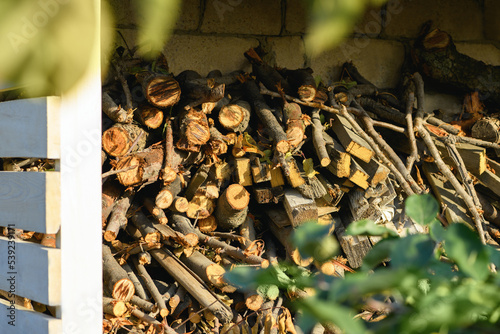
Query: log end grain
132	176
162	91
306	93
123	289
237	196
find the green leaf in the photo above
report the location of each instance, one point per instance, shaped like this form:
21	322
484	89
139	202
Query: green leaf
380	252
314	240
156	22
268	291
327	311
242	276
463	246
309	168
422	208
412	251
437	231
368	227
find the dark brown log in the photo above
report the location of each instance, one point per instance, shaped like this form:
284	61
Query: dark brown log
115	277
266	116
114	307
266	74
487	129
232	207
147	167
235	116
149	116
118	219
432	54
198	91
301	83
161	91
113	111
194	130
122	139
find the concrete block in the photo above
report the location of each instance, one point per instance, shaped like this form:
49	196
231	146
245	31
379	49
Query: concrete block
289	51
491	15
487	53
189	16
124	12
449	105
206	53
462	19
377	60
370	23
296	17
257	17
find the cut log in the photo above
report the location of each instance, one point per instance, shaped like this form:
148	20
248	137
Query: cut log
301	83
121	139
208	271
143	304
114	307
155	211
167	194
487	129
376	171
352	142
115	277
110	193
145	227
318	139
261	171
299	208
235	117
232	207
196	181
358	176
139	288
200	206
141	167
263	195
161	91
294	178
197	90
207	225
194	130
179	204
266	74
149	116
277	179
118	219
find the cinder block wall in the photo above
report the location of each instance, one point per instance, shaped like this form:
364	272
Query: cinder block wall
213	34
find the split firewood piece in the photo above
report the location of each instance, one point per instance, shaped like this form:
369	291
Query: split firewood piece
362	208
318	139
340	164
277	179
352	142
299	208
145	227
266	74
432	54
197	180
200	206
115	112
280	226
194	130
143	304
199	91
167	194
334	193
153	290
261	171
139	288
243	171
266	116
301	83
110	193
474	157
208	271
115	277
263	195
162	91
121	139
182	224
354	247
294	178
118	219
232	207
195	288
487	129
114	307
221	172
376	171
235	116
149	116
358	175
141	167
155	211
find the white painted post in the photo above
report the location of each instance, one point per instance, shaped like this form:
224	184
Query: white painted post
81	259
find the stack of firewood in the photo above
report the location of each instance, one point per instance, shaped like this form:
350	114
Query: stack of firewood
204	174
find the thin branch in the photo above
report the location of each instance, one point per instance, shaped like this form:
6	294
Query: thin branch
411	132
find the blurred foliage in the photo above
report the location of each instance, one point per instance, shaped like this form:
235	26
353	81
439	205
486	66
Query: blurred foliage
439	282
46	44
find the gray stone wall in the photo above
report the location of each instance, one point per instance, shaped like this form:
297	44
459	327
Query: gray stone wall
213	34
